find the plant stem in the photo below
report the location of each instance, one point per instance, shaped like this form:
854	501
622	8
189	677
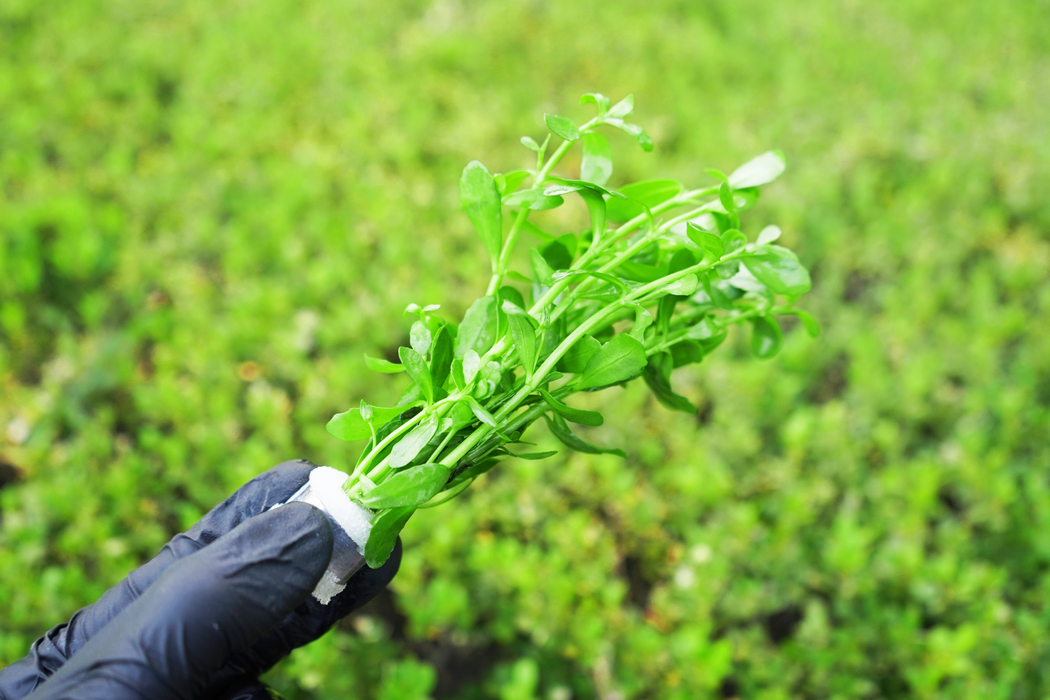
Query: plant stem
677	201
507	250
594	320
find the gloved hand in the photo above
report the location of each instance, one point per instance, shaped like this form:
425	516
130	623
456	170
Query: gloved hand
218	606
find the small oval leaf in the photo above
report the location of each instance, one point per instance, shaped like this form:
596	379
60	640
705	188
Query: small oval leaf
576	415
351	425
411	444
597	165
562	126
409	487
766	337
620	359
759	171
417	368
480	199
383	535
379	365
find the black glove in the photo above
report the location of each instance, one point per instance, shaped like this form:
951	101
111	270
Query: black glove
203	620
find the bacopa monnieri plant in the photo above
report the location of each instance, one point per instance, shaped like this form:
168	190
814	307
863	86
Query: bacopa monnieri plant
651	286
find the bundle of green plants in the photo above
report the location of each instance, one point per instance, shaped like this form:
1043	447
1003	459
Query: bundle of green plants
652	285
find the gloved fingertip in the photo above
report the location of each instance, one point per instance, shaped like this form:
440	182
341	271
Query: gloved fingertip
280	482
296	535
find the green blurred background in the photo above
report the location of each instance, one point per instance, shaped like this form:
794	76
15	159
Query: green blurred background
209	211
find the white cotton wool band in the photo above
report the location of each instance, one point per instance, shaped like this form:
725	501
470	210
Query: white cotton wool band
325	491
355	520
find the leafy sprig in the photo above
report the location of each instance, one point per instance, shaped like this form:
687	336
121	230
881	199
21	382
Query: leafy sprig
653	285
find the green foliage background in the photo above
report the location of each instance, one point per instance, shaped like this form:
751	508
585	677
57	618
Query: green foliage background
209	211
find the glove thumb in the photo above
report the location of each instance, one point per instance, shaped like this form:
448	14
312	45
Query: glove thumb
207	606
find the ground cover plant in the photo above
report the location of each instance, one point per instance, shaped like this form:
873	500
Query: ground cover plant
674	284
210	211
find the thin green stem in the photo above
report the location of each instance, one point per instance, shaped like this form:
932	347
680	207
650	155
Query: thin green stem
363	466
507	249
596	318
505	253
684	198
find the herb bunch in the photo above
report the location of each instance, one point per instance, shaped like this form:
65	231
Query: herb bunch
653	285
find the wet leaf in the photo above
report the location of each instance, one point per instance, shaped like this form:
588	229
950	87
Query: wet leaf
385	529
620	359
409	487
576	415
351	425
481	201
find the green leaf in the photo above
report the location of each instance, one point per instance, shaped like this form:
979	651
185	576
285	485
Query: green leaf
409	487
759	171
648	193
471	366
658	377
779	270
351	425
812	327
639	272
622	108
477	332
597	165
733	240
379	365
419	337
488	379
708	242
533	199
664	312
686	352
412	443
385	529
524	337
683	286
530	143
642	320
458	417
564	185
604	276
744	199
418	370
596	207
560	429
717	174
681	260
620	359
481	201
562	126
474	471
768	235
509	182
634	130
508	294
725	196
598	99
766	337
534	230
557	254
442	353
576	415
575	360
483	415
541	270
532	456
